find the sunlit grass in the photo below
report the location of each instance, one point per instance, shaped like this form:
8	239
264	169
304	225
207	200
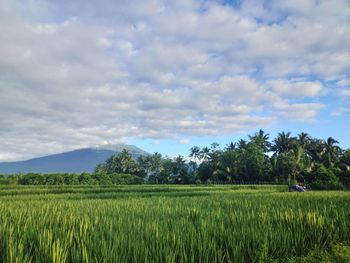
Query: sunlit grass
169	223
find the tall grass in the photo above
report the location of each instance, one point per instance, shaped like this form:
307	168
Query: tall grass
168	224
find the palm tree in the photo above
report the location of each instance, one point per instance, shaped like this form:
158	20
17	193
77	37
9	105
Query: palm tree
156	165
214	146
315	149
205	153
303	139
242	144
231	146
283	143
332	152
195	152
261	139
345	159
126	163
180	169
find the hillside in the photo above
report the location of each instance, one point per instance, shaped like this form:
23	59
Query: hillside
77	161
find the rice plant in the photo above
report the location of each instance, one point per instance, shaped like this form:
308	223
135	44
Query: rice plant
169	224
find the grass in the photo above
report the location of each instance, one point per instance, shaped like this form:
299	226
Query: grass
172	224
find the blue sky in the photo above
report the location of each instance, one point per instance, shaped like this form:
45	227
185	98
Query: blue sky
168	75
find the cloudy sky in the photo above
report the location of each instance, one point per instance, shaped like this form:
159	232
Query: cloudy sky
167	75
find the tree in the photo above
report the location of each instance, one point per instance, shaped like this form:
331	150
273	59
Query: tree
315	150
242	144
204	154
166	173
325	179
85	178
283	143
253	162
155	165
119	163
205	171
229	165
303	139
231	146
144	165
332	152
195	152
345	160
261	139
180	171
283	167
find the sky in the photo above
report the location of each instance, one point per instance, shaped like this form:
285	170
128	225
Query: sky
168	75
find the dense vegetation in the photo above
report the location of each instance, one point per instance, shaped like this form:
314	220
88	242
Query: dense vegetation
285	159
230	223
320	164
71	179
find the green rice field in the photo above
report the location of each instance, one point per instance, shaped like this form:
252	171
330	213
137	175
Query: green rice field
173	224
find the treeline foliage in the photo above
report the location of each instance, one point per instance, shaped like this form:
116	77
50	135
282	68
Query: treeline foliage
321	164
153	168
71	179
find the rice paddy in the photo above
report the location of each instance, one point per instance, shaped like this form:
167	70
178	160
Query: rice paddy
172	224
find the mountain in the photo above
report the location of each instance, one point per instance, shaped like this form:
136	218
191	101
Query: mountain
77	161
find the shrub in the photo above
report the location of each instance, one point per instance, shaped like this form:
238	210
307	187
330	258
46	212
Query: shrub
125	179
102	179
327	186
325	179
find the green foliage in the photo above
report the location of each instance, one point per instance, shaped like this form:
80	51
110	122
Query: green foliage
78	179
33	179
339	253
333	185
117	179
253	162
120	163
8	180
325	179
293	161
205	171
85	178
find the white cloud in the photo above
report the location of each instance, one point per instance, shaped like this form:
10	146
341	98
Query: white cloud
344	92
341	111
295	88
77	73
304	112
344	82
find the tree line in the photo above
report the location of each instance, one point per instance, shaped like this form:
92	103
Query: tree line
71	179
286	159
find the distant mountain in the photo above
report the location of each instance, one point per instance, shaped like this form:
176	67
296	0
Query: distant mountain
77	161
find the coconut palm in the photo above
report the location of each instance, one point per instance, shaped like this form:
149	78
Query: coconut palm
195	152
283	143
242	144
331	153
303	139
231	146
261	139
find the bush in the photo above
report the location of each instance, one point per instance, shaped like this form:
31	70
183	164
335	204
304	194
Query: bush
125	179
31	179
327	186
345	178
102	179
325	179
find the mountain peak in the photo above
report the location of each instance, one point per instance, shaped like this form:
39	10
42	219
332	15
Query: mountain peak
121	146
76	161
